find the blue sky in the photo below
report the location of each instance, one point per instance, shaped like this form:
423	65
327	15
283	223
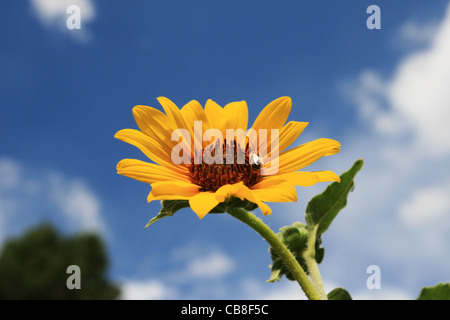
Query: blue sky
381	93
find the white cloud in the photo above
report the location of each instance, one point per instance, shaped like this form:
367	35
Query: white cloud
74	199
213	265
53	14
192	263
398	217
417	34
51	11
383	294
201	261
370	94
427	205
416	100
31	195
283	290
9	173
146	290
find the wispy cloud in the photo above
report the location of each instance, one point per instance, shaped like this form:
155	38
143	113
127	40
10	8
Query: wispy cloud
388	293
74	199
29	195
151	289
191	273
213	265
428	205
416	34
400	206
53	14
415	99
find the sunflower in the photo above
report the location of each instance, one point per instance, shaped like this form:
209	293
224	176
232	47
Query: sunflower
268	175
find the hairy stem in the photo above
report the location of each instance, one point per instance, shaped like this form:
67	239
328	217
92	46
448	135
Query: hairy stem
310	260
280	248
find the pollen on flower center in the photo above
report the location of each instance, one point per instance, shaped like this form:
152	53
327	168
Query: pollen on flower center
211	177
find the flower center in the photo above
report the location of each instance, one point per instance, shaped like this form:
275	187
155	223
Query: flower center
233	165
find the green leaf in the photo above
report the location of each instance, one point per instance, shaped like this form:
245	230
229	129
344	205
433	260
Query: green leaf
295	237
440	291
320	212
323	208
339	294
275	275
168	208
319	252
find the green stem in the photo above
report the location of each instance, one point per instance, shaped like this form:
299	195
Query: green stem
280	248
315	276
310	260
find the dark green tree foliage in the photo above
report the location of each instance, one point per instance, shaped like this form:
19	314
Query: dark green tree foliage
34	266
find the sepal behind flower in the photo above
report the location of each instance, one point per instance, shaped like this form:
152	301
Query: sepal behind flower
170	207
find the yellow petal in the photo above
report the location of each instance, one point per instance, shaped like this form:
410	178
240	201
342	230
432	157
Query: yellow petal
227	190
155	124
150	147
151	197
246	193
147	172
173	113
303	155
306	179
275	190
268	182
237	115
177	121
242	192
172	190
202	203
274	115
289	133
326	175
216	116
193	111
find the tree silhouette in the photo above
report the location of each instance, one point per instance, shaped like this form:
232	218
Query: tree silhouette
34	266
